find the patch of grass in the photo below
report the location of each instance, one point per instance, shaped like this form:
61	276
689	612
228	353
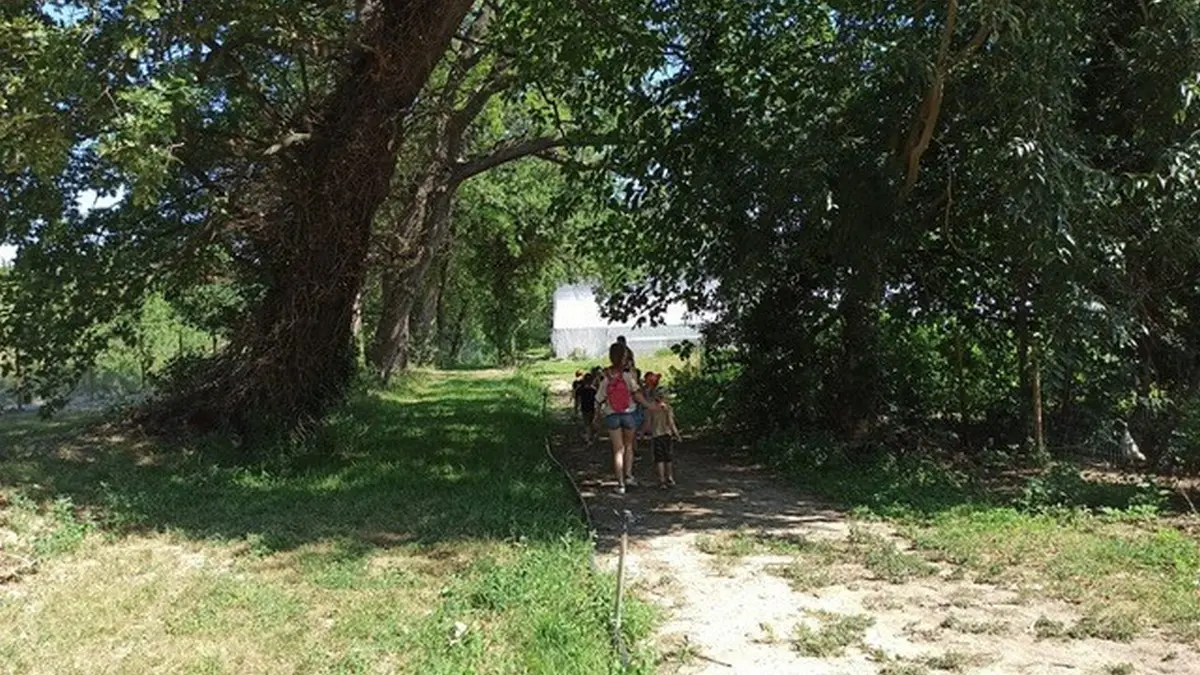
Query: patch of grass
745	543
835	633
1146	570
1096	543
882	601
1112	627
955	662
804	576
658	362
903	668
1118	669
961	625
1045	628
887	562
423	530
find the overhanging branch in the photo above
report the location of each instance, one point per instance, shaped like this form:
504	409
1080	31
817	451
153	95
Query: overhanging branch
503	155
921	133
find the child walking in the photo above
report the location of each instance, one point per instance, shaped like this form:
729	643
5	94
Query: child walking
585	403
662	432
616	399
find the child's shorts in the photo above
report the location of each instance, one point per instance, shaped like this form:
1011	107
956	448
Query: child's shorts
639	416
619	421
662	448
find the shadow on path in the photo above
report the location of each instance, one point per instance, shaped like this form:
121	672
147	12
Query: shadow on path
716	490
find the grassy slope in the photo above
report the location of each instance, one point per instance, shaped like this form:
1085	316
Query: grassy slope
1131	568
435	505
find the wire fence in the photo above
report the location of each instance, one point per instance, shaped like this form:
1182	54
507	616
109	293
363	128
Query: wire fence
121	374
617	639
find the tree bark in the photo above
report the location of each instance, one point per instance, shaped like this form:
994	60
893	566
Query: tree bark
863	227
858	393
426	312
1039	433
425	229
428	216
295	356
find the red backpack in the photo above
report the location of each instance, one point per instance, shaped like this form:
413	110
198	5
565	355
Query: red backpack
618	393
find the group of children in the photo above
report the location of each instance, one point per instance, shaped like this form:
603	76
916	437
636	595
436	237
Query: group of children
628	406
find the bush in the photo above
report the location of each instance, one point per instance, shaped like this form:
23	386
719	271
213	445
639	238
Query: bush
867	477
700	394
1062	486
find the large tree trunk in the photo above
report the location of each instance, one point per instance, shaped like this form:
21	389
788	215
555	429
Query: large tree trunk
858	393
296	356
424	333
428	217
863	228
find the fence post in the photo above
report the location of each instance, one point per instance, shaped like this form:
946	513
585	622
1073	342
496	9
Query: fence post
625	517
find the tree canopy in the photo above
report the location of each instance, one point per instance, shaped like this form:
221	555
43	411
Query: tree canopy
957	215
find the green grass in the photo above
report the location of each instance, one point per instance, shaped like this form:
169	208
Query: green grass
955	662
815	562
1106	547
835	633
1136	574
423	530
960	625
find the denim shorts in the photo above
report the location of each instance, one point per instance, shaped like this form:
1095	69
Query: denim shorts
620	421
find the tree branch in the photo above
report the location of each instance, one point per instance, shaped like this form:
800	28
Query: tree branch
921	134
498	80
472	53
981	36
503	155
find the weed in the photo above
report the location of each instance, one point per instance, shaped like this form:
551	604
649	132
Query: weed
959	625
955	662
884	560
882	601
1112	627
745	543
804	576
903	668
768	635
835	634
1118	669
1045	628
914	630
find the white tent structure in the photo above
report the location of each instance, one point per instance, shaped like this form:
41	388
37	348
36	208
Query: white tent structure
580	331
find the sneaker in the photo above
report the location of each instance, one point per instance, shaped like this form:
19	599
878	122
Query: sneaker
620	489
631	481
663	486
670	482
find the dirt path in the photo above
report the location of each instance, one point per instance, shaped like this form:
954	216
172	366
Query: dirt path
739	560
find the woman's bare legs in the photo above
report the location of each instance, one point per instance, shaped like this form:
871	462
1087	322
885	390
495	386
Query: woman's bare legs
629	436
617	438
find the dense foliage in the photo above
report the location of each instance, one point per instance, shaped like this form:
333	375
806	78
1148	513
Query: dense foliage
940	224
912	219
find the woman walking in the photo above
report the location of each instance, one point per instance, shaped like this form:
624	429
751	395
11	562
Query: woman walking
617	397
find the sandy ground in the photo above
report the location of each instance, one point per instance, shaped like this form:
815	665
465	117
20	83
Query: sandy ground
731	615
